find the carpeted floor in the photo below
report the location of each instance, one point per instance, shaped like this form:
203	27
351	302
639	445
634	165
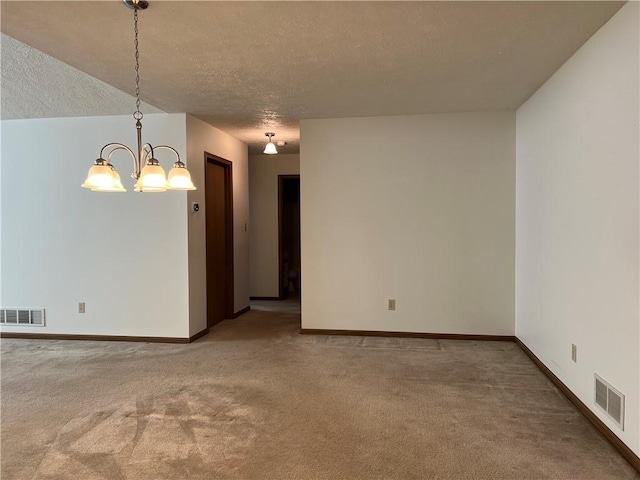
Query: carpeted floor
256	400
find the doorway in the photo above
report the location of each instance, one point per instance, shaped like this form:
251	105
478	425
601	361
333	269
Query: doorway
219	233
289	235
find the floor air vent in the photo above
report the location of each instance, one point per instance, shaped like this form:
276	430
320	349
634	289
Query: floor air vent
22	317
610	400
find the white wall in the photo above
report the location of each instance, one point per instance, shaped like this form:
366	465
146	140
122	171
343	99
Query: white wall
577	219
263	238
202	137
414	208
125	254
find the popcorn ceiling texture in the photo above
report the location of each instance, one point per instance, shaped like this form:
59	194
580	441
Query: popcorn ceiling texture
252	67
35	85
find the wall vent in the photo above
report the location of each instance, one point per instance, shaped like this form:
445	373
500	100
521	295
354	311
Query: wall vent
22	317
610	400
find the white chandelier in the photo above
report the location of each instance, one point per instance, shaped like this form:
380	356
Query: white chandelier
102	175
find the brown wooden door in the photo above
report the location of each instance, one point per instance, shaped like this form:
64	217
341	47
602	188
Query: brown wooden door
219	218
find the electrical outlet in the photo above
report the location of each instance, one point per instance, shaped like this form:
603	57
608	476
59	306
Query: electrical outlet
574	353
81	307
392	304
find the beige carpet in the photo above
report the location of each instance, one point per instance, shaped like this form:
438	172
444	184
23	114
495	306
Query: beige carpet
256	400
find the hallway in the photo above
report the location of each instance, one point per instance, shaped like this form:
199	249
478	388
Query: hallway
291	304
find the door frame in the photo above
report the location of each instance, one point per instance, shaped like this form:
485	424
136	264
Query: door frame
281	179
228	214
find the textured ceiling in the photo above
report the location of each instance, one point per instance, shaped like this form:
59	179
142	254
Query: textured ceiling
252	67
35	85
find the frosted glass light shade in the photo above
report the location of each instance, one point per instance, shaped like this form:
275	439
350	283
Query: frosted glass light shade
180	179
137	188
152	179
115	186
99	177
270	149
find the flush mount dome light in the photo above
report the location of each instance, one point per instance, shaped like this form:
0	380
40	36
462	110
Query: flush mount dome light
102	176
270	148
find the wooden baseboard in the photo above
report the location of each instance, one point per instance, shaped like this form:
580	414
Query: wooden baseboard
109	338
242	312
440	336
265	298
198	335
98	338
605	431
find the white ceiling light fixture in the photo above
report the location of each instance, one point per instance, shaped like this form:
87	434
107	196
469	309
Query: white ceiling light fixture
102	175
270	148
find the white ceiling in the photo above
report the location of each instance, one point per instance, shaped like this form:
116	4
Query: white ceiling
252	67
35	85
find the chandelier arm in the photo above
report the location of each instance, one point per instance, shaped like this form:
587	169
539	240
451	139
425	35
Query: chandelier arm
123	147
167	147
146	150
120	146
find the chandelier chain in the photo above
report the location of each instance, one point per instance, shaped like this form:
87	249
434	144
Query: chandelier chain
137	114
